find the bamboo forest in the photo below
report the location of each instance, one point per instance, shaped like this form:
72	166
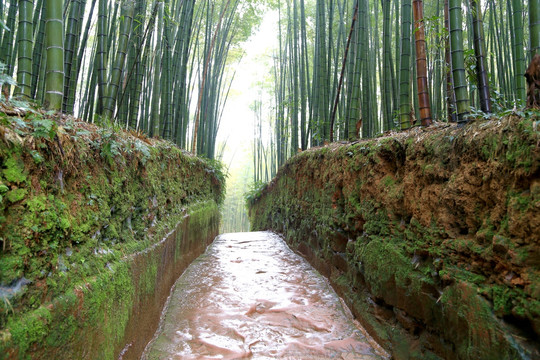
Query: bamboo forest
270	179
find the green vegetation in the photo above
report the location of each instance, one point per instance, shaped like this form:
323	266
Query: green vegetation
69	220
352	68
138	64
430	231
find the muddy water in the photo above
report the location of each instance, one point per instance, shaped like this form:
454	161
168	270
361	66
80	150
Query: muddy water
250	296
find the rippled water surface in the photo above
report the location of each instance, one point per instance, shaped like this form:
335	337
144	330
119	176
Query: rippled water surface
250	296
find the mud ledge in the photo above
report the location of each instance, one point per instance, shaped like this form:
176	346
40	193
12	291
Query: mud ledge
95	226
430	235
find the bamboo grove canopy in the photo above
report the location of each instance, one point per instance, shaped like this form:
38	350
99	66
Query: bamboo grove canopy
155	66
344	68
349	68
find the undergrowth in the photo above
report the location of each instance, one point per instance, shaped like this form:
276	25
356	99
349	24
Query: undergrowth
75	198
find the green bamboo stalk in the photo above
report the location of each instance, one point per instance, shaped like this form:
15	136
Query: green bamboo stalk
181	79
2	20
458	61
120	59
72	38
396	85
404	84
24	59
54	74
80	50
101	54
375	71
6	49
155	127
501	69
450	95
37	54
303	78
167	83
387	97
534	26
480	52
36	17
205	72
375	68
506	52
334	110
438	77
295	70
365	59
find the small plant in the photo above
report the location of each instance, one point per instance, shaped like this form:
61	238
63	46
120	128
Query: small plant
143	149
5	80
43	127
254	192
110	148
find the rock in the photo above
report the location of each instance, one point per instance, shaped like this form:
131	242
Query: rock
338	241
339	260
406	321
500	244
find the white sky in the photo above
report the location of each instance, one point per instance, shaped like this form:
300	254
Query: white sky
238	120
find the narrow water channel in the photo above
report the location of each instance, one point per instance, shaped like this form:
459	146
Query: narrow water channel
250	296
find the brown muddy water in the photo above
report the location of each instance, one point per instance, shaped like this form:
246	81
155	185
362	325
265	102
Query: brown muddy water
250	296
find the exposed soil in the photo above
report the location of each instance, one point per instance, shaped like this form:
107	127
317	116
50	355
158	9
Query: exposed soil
433	230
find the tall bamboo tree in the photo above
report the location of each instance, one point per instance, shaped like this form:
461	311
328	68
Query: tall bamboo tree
458	60
205	75
404	76
518	50
38	56
387	97
450	94
113	86
534	26
6	49
101	59
480	52
54	76
72	37
421	63
340	84
24	61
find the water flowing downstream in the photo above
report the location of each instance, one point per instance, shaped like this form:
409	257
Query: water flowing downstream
250	296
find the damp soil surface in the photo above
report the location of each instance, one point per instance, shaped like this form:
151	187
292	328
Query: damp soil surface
250	296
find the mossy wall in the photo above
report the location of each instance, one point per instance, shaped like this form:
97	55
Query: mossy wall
95	226
431	235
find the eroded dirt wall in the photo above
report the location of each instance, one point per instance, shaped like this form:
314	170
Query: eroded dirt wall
95	226
431	236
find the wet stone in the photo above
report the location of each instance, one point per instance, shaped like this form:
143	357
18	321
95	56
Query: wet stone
250	296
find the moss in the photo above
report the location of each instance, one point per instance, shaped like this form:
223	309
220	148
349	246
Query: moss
30	330
10	269
71	226
14	169
16	195
463	275
388	181
490	146
383	262
520	201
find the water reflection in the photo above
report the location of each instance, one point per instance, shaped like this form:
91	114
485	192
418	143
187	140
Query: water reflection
250	296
